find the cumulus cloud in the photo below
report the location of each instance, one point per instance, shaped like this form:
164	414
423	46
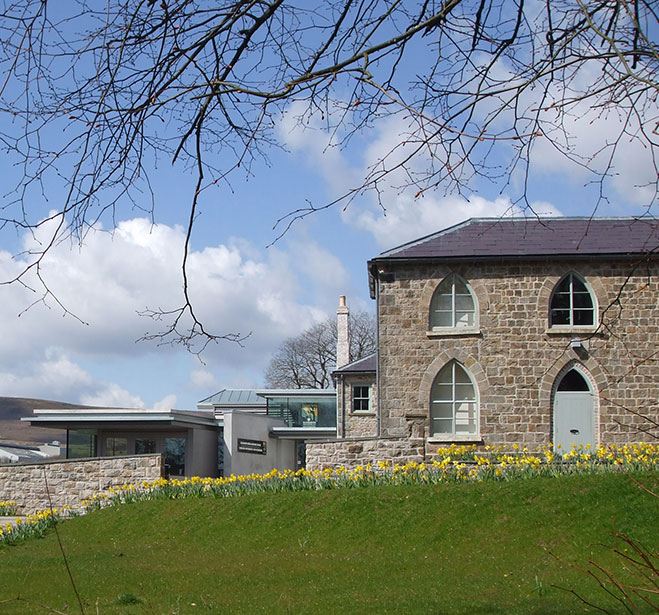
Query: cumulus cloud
600	139
49	375
47	352
408	218
312	137
398	215
169	401
112	396
592	137
203	379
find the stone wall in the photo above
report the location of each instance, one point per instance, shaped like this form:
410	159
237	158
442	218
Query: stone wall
70	481
356	424
350	453
513	355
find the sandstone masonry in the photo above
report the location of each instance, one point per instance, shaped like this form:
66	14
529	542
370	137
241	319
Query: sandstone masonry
353	452
352	424
71	481
513	355
502	332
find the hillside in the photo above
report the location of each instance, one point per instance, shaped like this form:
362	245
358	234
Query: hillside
494	548
12	409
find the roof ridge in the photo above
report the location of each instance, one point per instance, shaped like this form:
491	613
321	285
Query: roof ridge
535	235
511	220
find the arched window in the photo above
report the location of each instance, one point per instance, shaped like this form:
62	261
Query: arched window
571	303
453	402
453	305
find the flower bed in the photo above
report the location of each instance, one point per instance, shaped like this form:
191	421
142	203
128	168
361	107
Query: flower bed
8	509
450	464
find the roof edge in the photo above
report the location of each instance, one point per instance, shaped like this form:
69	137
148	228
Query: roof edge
502	220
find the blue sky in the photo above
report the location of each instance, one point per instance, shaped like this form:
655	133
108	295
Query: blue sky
82	347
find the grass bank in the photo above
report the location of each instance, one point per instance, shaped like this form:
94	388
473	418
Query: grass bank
454	548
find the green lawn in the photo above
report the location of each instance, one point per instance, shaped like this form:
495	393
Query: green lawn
459	549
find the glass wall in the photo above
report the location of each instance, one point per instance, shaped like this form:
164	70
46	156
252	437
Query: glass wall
175	456
304	411
220	453
144	445
81	443
116	446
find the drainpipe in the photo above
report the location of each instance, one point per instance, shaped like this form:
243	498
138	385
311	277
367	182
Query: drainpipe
343	408
377	356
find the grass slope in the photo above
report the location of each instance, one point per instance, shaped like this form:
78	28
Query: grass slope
458	549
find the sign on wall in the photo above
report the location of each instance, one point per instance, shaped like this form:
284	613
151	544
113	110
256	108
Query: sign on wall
255	447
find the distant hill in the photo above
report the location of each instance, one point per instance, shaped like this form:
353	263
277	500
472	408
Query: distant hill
12	409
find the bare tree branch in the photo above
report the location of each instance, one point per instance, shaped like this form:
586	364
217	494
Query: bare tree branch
93	95
308	360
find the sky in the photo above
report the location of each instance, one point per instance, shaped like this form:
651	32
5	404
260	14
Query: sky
81	344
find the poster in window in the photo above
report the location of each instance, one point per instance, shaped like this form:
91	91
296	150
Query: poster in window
309	415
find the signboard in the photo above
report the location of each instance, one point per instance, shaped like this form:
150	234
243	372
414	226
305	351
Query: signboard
255	447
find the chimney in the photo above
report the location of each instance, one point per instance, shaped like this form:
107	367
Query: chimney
342	334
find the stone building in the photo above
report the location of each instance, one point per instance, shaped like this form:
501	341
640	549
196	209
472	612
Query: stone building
357	398
508	331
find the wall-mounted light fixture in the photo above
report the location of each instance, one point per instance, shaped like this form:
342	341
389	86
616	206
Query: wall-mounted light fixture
577	345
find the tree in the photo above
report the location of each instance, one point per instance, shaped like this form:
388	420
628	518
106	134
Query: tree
308	360
477	85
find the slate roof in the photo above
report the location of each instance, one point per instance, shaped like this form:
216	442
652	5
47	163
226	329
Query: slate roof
367	364
540	237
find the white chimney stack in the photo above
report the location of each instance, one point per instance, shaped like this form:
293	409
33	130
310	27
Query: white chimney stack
342	334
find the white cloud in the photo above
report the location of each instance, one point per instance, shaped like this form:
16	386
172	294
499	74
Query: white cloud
167	402
50	375
592	138
112	396
398	215
234	287
203	380
311	137
407	219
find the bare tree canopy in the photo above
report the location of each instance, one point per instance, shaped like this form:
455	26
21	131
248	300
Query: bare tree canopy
308	360
93	94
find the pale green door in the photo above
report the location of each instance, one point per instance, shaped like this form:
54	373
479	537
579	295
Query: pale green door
574	411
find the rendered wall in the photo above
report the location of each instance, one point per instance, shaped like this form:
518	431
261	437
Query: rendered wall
201	452
71	481
281	454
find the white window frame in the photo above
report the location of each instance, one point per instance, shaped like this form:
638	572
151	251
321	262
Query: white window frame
570	326
353	397
454	401
456	325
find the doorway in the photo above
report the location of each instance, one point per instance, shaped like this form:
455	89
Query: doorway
574	412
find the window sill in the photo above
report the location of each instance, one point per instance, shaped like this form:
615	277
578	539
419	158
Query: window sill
574	331
453	333
448	438
362	413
